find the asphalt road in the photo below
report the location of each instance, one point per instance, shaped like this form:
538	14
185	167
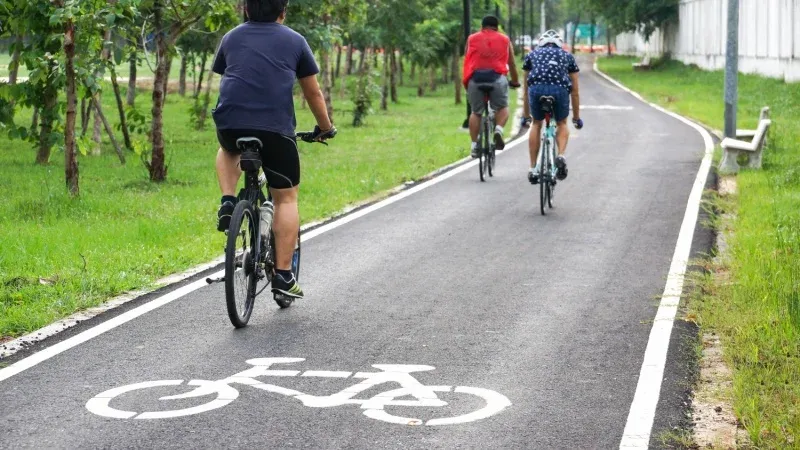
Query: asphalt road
551	313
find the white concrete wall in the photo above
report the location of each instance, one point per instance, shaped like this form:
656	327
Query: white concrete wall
769	37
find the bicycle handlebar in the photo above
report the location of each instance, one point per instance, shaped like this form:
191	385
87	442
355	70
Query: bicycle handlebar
316	136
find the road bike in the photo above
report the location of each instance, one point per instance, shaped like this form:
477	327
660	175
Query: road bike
410	393
547	155
250	248
486	145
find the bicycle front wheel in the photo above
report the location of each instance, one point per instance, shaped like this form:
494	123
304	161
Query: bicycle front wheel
240	264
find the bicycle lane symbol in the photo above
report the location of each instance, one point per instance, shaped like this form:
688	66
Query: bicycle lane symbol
224	393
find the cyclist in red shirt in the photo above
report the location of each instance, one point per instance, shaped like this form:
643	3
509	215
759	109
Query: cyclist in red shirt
489	57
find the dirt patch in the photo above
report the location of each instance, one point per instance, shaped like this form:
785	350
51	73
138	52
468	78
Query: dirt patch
715	423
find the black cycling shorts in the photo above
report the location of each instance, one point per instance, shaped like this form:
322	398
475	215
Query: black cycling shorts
279	156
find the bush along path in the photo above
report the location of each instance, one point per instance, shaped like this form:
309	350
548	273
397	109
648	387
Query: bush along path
755	307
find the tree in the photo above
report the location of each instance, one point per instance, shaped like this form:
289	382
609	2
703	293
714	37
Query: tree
170	21
644	16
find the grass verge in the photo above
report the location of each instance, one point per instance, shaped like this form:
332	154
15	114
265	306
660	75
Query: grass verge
757	311
59	255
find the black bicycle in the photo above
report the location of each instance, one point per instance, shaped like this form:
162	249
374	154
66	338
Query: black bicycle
250	250
486	145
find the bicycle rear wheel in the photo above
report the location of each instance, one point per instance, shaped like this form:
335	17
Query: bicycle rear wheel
240	264
543	175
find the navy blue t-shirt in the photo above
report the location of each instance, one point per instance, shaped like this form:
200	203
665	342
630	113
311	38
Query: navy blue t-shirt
550	65
259	63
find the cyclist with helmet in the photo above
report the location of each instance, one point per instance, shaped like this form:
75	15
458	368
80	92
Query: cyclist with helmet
489	57
551	71
259	62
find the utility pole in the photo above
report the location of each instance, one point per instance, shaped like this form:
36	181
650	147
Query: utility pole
467	32
522	33
732	69
542	26
532	30
510	15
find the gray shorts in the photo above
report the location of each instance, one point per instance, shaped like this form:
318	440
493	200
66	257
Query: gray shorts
498	98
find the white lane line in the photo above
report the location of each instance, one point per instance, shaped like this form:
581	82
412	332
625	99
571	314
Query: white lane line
74	341
643	409
607	107
326	374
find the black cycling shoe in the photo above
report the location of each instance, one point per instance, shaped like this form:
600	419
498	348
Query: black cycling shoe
289	288
533	178
499	144
561	165
224	216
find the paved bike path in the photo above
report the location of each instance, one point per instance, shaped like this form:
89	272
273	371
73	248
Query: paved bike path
551	312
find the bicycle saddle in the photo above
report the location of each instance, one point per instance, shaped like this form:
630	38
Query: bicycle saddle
547	102
487	88
249	143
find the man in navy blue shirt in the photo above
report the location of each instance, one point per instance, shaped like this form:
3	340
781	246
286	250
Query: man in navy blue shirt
259	62
551	71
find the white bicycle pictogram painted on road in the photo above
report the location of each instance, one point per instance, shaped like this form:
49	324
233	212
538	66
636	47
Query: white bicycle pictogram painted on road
372	407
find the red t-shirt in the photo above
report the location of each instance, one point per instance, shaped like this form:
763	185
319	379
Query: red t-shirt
486	49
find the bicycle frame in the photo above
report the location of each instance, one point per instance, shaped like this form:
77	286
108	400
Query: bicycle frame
547	147
252	192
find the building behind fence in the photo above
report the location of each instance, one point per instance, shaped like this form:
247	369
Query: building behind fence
769	37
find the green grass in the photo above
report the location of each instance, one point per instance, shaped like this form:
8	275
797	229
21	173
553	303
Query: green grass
59	255
758	312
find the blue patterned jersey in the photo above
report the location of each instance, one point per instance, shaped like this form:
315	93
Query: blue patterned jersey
550	65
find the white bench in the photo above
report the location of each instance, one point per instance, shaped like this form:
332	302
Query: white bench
644	65
755	148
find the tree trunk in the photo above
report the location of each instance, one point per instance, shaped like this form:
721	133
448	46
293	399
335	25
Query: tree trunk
413	70
421	85
35	118
456	75
402	69
157	165
123	121
199	86
375	57
327	86
84	118
46	119
86	115
167	74
591	37
575	31
338	62
432	78
132	80
182	77
361	57
386	76
70	153
98	112
13	67
206	102
393	78
97	134
608	40
348	62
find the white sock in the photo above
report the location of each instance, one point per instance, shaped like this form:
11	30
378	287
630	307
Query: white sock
474	146
499	130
